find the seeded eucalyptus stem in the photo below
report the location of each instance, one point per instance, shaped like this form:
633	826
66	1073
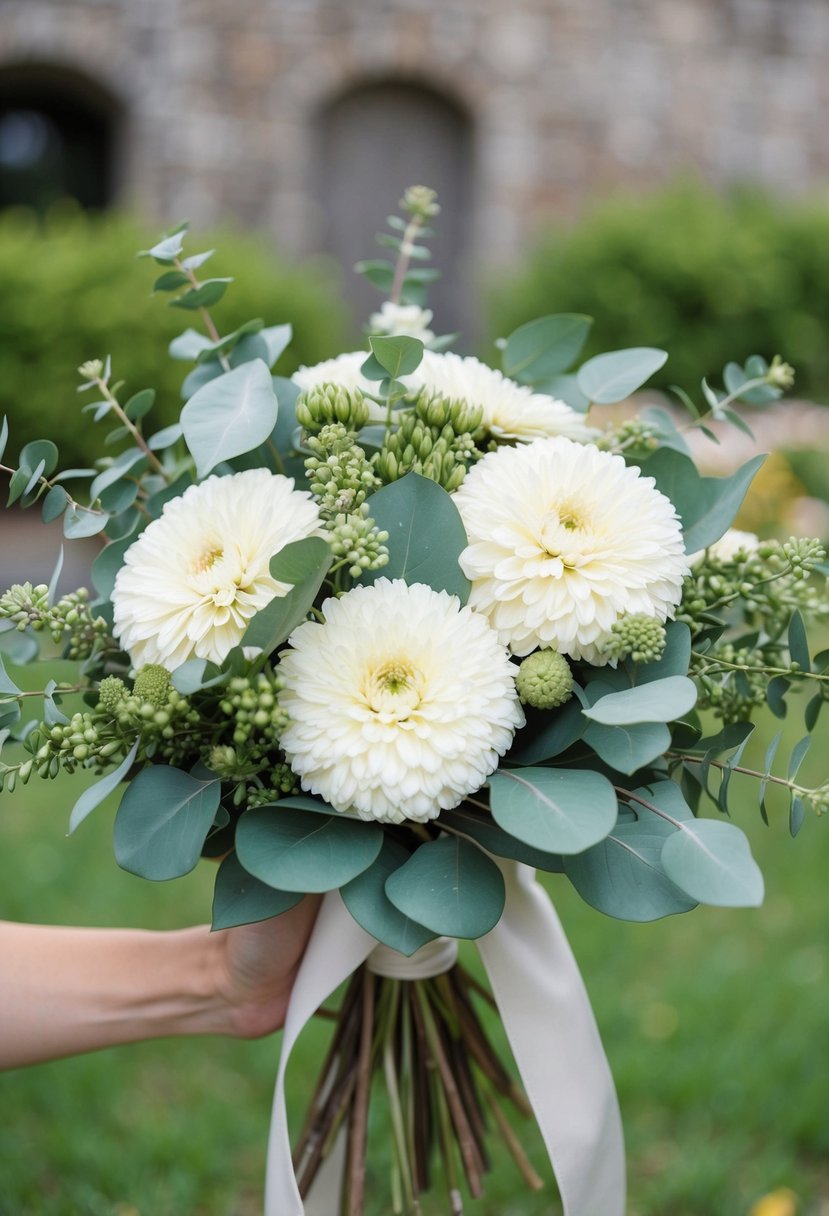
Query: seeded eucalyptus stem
131	427
404	257
204	313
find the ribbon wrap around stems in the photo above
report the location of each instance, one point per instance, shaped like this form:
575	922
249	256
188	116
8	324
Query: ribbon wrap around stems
548	1020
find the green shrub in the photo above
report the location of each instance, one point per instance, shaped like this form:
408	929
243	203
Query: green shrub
710	278
73	290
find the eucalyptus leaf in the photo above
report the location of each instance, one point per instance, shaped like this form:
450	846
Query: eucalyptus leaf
612	377
426	535
398	356
662	700
274	623
555	810
623	875
450	886
54	504
545	347
548	733
296	851
162	822
7	684
366	899
799	642
711	861
481	828
107	564
230	415
40	450
241	899
630	747
706	505
81	521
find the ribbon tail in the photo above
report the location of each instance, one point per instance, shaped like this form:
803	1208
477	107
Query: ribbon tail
337	948
551	1029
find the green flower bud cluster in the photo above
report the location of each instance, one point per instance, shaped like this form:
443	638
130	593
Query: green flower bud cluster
420	201
633	438
437	438
355	539
69	618
252	702
339	472
817	798
100	737
780	374
637	637
281	781
330	403
764	586
732	695
10	774
544	680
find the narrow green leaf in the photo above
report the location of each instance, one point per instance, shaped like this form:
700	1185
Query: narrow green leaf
18	481
799	642
95	795
798	755
7	684
4	435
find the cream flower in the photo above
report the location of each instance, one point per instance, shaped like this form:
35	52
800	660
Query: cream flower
196	575
511	411
400	703
407	319
564	540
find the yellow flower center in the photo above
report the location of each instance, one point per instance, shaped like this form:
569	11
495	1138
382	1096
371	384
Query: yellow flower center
207	559
560	522
393	689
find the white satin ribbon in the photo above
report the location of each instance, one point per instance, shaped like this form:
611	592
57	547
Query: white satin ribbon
546	1013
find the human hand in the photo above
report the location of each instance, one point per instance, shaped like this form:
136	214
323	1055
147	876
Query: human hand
256	966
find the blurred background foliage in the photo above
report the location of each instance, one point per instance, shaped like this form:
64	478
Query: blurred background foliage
73	290
708	276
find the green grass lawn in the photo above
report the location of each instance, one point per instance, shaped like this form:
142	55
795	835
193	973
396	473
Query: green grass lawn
716	1024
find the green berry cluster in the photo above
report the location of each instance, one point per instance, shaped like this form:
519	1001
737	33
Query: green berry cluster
762	587
732	694
544	680
357	542
338	470
436	437
331	404
69	619
637	637
634	439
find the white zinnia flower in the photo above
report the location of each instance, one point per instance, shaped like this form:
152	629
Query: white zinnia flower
196	575
727	548
511	410
564	540
400	703
403	319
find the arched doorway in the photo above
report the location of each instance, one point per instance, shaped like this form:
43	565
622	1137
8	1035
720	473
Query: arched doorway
58	138
375	140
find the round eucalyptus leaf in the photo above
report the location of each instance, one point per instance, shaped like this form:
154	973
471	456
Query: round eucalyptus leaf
555	810
612	377
366	899
241	899
450	886
162	822
302	851
712	861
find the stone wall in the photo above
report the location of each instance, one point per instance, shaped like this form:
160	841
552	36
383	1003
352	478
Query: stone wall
562	99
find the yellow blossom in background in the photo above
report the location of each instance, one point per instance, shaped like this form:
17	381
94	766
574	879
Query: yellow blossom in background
781	1202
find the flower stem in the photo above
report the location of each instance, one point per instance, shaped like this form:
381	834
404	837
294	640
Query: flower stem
132	428
404	257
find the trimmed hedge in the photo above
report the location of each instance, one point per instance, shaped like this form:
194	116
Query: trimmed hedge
73	290
707	277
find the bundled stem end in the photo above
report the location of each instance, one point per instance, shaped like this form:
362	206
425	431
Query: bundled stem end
444	1084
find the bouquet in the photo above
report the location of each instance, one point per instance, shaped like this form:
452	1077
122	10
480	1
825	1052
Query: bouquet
406	629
